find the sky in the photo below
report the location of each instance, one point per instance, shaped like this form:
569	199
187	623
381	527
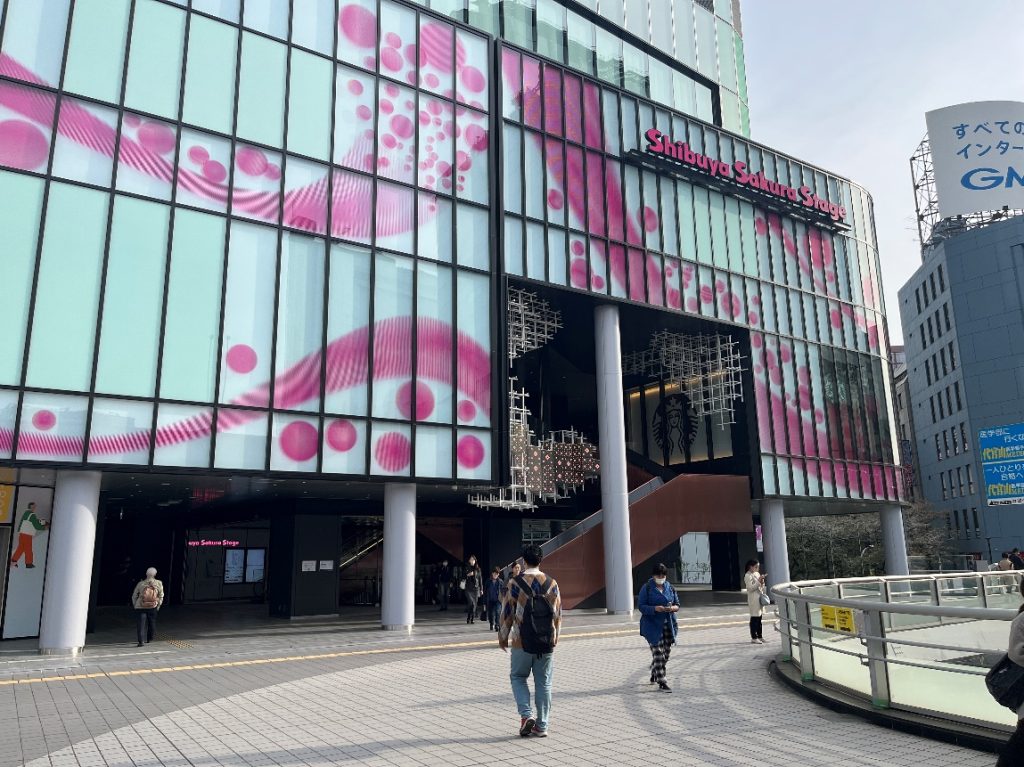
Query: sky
845	84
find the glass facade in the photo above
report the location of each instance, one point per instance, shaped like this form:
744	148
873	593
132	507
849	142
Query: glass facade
242	253
582	212
264	236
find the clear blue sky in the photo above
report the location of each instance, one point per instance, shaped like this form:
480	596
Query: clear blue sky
845	84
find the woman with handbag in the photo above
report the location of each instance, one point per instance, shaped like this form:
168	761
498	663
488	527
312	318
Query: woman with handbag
753	582
1012	754
658	605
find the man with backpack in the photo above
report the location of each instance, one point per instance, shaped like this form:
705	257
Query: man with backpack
531	617
147	599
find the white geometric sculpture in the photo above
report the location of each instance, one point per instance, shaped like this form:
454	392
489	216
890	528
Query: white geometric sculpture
706	367
531	322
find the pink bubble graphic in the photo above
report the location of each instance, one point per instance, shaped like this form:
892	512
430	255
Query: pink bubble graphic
577	247
471	451
157	137
355	87
476	137
392	39
22	145
214	171
410	54
241	358
198	154
390	59
386	107
463	161
388	141
341	436
691	304
402	126
444	169
393	452
706	295
424	400
44	420
473	79
466	411
431	80
133	121
555	200
251	161
650	218
391	90
369	62
597	282
358	25
578	273
298	441
273	172
363	112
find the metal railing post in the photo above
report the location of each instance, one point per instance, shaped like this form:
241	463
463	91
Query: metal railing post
875	630
782	605
803	632
983	582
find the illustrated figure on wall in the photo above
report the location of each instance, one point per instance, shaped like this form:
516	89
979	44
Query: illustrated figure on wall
28	527
675	426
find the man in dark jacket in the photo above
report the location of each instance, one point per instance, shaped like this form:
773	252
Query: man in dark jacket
1017	559
444	584
493	594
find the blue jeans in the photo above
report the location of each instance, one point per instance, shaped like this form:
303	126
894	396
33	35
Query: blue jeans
523	663
494	614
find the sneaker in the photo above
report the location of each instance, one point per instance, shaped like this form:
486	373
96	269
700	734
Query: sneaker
539	733
526	725
760	640
753	641
664	687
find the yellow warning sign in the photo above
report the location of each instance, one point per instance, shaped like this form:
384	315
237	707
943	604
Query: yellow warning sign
6	502
838	619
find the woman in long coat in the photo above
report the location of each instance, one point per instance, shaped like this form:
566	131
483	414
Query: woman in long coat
753	582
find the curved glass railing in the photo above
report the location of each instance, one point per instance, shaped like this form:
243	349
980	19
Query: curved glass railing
920	643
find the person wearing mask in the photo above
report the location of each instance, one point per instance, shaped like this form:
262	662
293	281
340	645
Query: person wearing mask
531	618
658	605
1012	754
494	589
444	583
753	582
147	599
472	585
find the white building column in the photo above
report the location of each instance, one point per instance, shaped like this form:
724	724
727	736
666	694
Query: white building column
894	539
397	602
76	500
773	538
618	558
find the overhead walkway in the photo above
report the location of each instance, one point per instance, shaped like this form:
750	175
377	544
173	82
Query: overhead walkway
911	651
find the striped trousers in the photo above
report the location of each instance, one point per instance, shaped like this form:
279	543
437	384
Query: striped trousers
660	653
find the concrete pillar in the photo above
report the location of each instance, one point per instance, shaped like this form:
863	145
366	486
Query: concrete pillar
398	597
773	537
894	540
76	500
618	559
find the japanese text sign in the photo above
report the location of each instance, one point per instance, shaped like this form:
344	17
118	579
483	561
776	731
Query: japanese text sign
978	156
1002	463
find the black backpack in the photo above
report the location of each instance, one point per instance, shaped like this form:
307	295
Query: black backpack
537	630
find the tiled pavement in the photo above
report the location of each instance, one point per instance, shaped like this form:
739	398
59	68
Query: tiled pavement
337	705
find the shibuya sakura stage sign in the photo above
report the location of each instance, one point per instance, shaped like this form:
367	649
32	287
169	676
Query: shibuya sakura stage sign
738	173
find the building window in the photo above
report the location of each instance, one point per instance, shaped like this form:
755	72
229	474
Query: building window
942	279
928	372
953	439
942	357
931	401
938	325
945	311
942	413
952	357
931	331
931	281
959	402
977	527
945	443
903	431
938	449
963	437
967	530
949	525
917	296
945	495
899	400
970	480
949	402
959	481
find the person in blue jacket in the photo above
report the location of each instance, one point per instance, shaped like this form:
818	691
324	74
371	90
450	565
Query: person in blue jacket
658	607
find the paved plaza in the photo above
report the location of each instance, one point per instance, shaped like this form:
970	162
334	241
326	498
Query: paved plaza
440	697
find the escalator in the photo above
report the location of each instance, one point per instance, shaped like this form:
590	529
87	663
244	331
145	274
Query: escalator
660	512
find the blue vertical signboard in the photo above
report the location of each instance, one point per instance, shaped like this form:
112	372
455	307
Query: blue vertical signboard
1002	463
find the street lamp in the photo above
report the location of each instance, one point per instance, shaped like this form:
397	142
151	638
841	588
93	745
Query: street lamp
862	553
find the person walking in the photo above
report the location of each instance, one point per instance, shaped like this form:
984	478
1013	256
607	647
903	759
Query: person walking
493	595
753	582
1016	559
1012	754
147	599
444	584
472	584
28	527
658	606
531	618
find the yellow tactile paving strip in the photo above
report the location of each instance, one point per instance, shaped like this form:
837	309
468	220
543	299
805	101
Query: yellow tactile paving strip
326	656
